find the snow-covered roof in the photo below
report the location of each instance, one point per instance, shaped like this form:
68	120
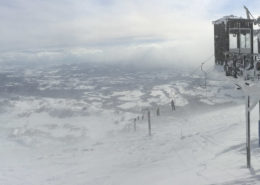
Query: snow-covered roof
225	19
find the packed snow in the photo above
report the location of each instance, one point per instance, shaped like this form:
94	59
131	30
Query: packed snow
74	125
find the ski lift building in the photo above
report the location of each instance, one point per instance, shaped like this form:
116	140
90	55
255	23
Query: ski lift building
233	36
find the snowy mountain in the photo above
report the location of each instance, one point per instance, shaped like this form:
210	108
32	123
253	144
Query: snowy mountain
74	124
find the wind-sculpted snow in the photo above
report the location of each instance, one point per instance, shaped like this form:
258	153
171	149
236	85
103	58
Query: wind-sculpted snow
73	124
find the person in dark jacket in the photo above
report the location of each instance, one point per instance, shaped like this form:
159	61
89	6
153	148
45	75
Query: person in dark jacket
173	106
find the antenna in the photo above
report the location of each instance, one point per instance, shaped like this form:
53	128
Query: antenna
248	13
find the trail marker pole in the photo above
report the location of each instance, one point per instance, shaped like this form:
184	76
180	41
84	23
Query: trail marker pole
149	122
205	77
158	111
248	152
135	124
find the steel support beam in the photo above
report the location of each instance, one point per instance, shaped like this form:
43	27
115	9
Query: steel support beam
248	149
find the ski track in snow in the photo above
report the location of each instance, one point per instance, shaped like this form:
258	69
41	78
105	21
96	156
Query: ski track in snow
73	125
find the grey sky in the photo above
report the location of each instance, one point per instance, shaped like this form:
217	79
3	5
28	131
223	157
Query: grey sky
165	31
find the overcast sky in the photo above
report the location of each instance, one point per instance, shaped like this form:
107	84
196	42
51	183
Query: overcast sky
138	31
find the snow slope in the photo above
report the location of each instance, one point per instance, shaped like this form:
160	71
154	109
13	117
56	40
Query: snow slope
59	139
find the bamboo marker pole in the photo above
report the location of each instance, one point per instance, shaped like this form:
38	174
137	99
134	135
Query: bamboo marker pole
135	124
149	122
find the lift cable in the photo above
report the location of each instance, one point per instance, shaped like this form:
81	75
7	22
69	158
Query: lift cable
204	62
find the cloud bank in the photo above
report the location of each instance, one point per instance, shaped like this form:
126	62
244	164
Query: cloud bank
131	31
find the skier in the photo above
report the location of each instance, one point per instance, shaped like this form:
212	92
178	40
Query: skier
173	106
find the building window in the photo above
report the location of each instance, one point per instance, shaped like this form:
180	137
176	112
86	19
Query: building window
245	39
233	39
